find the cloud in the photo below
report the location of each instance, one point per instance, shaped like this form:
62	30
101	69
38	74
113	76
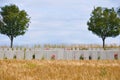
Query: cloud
60	21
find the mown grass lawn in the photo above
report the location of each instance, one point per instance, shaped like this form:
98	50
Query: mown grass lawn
59	70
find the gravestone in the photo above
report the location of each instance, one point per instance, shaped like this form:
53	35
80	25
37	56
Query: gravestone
1	54
9	54
49	53
103	54
77	54
29	54
94	55
20	54
86	54
60	54
39	54
118	54
69	54
109	54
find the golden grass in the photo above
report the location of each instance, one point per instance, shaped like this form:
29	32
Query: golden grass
59	70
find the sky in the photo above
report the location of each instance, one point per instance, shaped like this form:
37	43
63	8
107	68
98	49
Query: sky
59	22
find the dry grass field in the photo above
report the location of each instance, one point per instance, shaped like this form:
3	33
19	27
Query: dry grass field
59	70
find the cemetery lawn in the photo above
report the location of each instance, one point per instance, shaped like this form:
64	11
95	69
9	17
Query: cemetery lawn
59	70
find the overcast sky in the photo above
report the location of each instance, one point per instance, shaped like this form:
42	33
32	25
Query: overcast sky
59	21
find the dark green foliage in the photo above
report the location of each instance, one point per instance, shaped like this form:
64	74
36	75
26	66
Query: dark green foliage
14	57
90	57
33	57
43	58
98	58
104	23
5	56
14	22
24	53
81	57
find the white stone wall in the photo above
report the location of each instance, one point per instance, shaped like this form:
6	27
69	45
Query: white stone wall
60	54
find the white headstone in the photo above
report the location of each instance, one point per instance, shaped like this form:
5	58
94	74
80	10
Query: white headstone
103	54
1	54
20	54
39	54
29	54
9	54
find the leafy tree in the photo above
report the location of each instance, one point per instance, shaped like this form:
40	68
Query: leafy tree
15	21
104	23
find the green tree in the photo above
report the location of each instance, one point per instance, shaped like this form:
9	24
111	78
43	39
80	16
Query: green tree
15	22
104	23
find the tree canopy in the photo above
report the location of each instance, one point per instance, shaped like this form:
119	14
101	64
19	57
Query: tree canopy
14	21
104	23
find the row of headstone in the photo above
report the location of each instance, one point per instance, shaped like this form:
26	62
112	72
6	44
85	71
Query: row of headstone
59	54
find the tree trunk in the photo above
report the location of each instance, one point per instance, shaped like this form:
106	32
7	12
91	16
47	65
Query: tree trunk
11	44
103	39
